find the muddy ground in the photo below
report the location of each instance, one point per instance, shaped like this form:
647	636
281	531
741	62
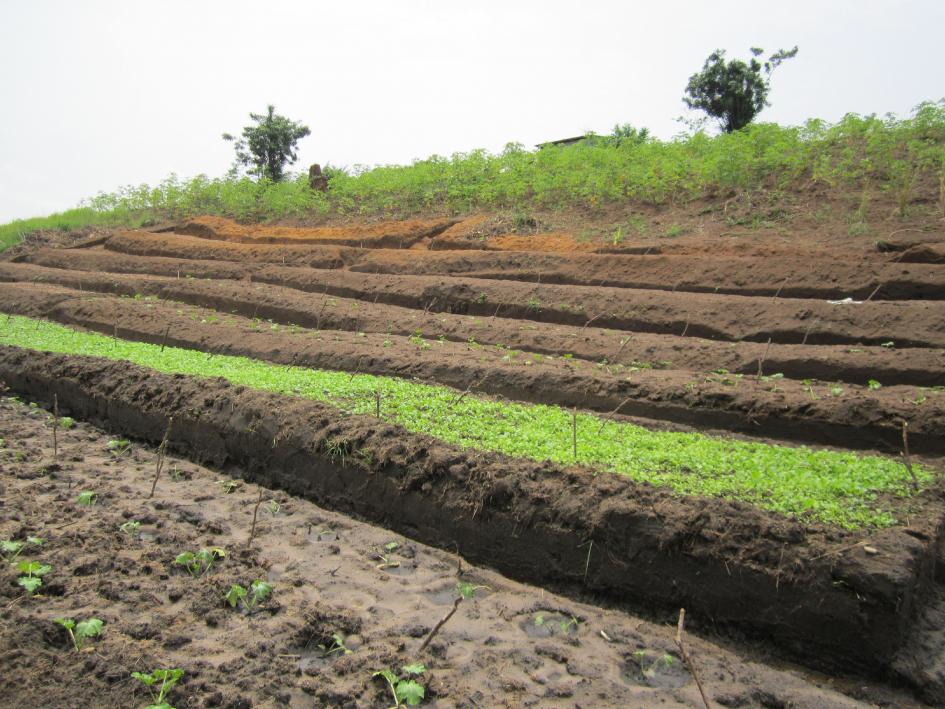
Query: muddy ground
670	330
327	575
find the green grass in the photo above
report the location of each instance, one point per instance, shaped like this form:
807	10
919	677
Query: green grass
832	487
858	153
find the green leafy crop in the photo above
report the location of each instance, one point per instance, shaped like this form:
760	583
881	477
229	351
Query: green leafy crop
167	679
845	489
258	592
13	548
81	631
32	571
404	691
198	563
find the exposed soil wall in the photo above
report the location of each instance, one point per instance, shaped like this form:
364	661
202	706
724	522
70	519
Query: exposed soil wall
814	591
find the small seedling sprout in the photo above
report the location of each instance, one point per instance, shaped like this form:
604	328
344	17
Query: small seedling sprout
13	548
130	527
33	571
405	691
86	497
337	646
81	631
167	678
229	486
258	592
199	563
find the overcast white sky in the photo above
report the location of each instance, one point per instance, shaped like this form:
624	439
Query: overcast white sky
100	93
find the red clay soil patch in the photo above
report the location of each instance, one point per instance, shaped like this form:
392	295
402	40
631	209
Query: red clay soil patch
852	276
812	590
324	569
401	234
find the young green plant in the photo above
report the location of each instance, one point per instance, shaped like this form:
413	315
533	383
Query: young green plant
167	678
81	631
404	690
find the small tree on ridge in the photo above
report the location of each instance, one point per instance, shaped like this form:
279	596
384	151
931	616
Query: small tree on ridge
268	145
734	92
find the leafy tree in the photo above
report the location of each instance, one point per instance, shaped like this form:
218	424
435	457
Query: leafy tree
268	145
734	92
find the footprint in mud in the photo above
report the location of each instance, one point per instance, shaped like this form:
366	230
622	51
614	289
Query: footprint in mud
649	668
548	624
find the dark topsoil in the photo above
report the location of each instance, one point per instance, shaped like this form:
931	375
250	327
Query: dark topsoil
781	409
324	567
813	591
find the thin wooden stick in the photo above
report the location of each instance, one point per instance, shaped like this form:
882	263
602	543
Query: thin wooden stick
496	312
907	459
162	451
809	328
623	344
469	388
780	288
764	356
875	291
252	530
687	659
164	339
55	426
611	414
377	403
574	431
443	621
685	329
591	320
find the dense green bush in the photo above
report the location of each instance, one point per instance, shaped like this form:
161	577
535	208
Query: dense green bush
882	153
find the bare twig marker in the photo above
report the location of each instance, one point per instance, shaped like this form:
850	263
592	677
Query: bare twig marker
55	426
612	414
875	291
443	621
906	458
469	389
591	320
623	344
688	660
377	403
809	328
162	451
685	328
496	312
164	339
252	530
574	431
428	306
780	288
764	356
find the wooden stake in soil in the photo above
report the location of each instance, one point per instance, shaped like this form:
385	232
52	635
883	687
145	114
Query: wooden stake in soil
906	458
591	320
685	328
252	530
162	450
443	621
377	403
55	426
780	288
764	356
807	331
574	431
875	291
164	339
688	660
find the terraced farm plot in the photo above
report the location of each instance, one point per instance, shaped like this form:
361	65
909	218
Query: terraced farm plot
657	427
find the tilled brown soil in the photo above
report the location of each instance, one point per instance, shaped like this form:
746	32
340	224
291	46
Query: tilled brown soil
813	590
721	317
538	257
853	416
675	335
287	306
325	570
